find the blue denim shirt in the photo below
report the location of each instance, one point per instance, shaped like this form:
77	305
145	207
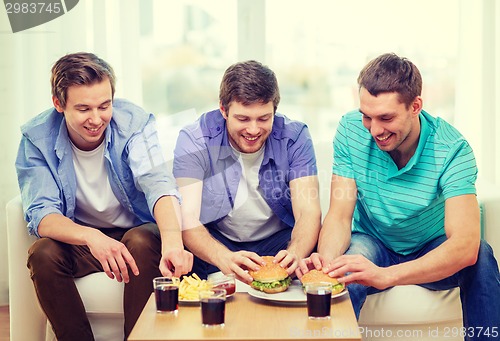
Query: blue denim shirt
203	152
136	167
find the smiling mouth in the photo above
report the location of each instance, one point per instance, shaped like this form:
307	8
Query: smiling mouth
248	138
93	130
383	138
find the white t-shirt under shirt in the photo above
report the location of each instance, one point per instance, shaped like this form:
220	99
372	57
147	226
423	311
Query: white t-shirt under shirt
251	218
96	204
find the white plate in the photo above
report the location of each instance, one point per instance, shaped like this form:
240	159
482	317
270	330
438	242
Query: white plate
294	294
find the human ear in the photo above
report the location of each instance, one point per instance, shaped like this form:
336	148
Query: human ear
57	104
223	111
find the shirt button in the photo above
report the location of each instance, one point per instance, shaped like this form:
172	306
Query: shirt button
218	128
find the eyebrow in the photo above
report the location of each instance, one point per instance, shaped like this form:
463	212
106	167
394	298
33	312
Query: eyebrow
244	116
381	115
81	105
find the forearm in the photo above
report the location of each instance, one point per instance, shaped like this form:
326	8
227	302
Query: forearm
334	237
201	243
447	259
305	234
167	215
60	228
462	221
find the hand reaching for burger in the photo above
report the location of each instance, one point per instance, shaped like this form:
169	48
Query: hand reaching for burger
287	260
314	261
240	263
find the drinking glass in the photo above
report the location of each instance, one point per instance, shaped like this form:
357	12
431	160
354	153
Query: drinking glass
319	300
213	307
166	295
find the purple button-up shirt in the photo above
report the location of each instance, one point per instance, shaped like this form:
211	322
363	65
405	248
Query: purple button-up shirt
203	152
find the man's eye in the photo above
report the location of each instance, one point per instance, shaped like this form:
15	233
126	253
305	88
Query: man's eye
105	107
83	110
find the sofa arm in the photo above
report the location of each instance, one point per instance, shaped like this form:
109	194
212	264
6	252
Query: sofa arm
489	198
27	321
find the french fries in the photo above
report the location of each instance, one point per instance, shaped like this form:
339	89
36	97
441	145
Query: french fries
190	287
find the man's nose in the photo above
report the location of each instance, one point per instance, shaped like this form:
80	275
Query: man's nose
253	127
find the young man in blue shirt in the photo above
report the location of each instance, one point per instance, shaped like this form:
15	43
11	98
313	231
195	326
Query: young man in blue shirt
403	204
248	179
96	190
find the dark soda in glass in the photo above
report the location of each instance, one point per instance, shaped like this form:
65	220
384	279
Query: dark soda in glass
318	303
167	298
212	311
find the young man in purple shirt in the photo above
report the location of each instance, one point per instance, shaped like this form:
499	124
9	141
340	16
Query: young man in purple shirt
248	179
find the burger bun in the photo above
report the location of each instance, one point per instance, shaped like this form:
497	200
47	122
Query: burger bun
269	272
316	276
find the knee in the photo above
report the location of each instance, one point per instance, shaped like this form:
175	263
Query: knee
140	239
45	254
485	256
485	265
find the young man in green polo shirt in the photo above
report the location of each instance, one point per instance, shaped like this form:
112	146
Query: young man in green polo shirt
403	206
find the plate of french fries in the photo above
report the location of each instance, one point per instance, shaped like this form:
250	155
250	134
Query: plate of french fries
190	287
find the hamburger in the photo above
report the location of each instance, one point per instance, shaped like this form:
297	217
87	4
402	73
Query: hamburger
316	276
270	278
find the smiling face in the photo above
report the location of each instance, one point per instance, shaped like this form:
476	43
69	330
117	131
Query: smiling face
88	112
249	126
394	127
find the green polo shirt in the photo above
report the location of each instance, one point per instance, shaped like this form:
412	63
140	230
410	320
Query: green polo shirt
404	208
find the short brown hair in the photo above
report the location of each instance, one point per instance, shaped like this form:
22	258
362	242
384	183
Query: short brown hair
80	68
248	83
391	73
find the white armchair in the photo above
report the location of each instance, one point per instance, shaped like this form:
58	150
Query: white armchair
102	297
415	311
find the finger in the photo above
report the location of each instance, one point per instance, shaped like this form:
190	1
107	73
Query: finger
254	257
107	270
285	259
249	263
122	268
282	254
290	269
299	273
242	274
115	269
351	278
317	261
127	256
165	271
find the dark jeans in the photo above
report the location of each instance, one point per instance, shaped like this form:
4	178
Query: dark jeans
479	284
54	265
269	246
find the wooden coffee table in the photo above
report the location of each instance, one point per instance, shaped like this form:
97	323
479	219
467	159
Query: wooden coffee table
248	318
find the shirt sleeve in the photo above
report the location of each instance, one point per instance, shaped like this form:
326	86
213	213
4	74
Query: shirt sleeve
302	157
39	191
460	171
147	163
342	163
190	155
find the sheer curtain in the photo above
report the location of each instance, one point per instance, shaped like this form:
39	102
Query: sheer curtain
108	28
